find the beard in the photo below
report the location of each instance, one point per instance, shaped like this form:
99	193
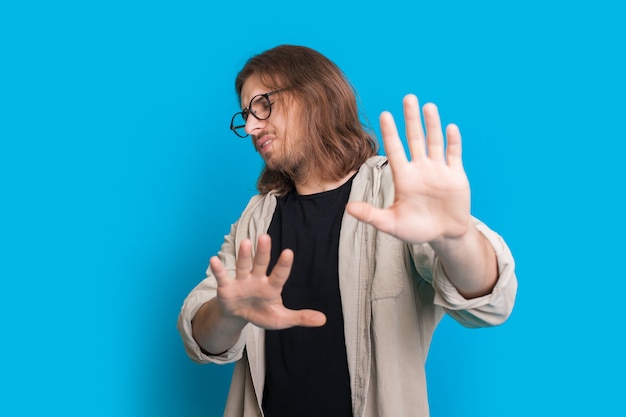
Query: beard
293	159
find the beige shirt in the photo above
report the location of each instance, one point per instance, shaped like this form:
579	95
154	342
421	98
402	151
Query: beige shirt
393	296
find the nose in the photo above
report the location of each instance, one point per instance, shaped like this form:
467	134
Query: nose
254	125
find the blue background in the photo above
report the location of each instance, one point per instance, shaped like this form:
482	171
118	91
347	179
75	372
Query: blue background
119	178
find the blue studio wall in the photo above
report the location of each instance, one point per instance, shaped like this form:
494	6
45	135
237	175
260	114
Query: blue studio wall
119	178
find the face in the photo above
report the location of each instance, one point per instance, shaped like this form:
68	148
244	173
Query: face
273	137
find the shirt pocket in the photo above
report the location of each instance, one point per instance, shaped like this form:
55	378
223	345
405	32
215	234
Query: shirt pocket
390	269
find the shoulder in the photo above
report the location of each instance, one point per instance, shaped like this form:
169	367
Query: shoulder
372	169
260	204
375	162
374	182
256	217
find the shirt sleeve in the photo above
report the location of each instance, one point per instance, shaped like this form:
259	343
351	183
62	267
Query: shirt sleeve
253	221
489	310
203	292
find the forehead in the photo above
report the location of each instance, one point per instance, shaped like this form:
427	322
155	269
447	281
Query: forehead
251	88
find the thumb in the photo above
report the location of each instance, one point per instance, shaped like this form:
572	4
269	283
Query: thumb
360	210
368	213
293	318
381	219
310	318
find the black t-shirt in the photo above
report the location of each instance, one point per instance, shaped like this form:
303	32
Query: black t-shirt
306	368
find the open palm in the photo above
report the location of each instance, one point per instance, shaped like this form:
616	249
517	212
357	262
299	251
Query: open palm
432	194
255	297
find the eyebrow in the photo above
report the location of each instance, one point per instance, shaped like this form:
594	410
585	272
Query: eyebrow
250	101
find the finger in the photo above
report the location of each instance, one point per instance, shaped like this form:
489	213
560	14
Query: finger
281	270
381	219
244	259
454	151
391	140
220	273
414	128
307	318
434	134
262	256
285	319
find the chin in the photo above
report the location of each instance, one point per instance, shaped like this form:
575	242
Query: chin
269	163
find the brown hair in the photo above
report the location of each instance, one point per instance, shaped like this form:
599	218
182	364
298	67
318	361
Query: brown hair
329	116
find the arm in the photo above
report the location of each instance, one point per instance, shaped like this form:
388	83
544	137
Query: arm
432	199
213	331
469	262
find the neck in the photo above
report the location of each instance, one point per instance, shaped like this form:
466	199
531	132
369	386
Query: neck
316	185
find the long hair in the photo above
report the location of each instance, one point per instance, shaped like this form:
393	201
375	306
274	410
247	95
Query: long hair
328	115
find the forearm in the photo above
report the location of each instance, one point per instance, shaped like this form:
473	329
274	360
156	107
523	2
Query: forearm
469	262
214	332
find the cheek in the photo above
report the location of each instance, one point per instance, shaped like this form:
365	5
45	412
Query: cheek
283	132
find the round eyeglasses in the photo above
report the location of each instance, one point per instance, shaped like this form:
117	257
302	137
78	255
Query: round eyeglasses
260	107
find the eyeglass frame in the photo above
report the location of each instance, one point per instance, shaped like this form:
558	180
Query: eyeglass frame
246	112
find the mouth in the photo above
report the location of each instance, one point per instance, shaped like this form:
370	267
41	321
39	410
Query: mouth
263	143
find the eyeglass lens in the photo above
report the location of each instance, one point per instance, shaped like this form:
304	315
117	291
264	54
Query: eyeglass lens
260	107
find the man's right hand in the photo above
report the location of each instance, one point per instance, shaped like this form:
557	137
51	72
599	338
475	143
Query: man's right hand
255	297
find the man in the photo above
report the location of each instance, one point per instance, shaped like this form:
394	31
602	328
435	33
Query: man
330	285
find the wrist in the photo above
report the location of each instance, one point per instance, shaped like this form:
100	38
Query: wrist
463	237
